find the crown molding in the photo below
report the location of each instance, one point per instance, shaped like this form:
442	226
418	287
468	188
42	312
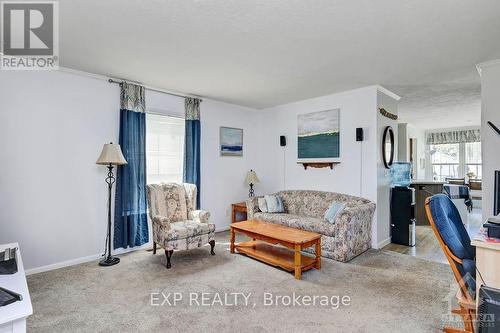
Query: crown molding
387	92
485	64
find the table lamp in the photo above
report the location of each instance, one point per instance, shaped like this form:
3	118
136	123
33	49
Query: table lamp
251	180
111	155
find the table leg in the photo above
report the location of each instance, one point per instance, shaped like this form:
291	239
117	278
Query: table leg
233	215
298	263
232	240
318	254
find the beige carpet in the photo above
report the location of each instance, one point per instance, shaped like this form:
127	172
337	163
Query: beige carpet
389	292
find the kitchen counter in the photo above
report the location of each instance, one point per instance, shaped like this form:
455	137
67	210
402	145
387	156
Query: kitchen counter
425	182
423	190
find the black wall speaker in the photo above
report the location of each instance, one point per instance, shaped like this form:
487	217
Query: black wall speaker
359	134
282	141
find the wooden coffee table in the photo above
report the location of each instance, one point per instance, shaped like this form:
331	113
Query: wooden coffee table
264	234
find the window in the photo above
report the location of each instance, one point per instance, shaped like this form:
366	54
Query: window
445	161
473	161
456	160
164	148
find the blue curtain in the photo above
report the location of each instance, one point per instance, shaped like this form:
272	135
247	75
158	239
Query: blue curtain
131	223
192	145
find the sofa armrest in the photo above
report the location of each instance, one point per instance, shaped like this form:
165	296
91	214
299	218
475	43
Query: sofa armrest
162	221
252	207
201	216
363	211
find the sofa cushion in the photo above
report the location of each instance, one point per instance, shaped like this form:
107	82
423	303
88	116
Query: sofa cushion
313	224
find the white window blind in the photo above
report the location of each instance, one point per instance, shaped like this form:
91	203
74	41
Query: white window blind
164	148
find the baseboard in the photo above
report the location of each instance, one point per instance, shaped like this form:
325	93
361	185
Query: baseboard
384	243
82	260
62	264
223	229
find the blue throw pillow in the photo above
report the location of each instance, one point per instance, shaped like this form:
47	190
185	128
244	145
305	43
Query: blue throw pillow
262	205
274	204
335	209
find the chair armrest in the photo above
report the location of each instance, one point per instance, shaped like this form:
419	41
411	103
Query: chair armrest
162	221
200	216
252	207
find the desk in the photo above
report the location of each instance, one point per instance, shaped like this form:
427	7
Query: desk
487	259
13	316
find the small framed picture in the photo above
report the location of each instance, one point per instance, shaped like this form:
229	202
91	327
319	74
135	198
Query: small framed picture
231	141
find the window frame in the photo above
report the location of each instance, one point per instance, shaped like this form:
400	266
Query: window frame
462	163
167	114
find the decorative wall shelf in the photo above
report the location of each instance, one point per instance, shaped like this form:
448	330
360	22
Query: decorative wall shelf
318	164
388	114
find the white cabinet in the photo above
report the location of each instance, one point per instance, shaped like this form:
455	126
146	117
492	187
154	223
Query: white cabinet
13	316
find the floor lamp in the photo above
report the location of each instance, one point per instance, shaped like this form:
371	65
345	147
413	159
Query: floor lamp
111	155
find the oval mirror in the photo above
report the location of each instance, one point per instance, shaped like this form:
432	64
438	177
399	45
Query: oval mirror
388	147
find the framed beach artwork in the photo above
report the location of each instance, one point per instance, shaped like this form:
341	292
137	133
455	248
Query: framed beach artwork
231	141
319	136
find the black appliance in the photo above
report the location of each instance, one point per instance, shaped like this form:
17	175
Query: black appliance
403	216
489	310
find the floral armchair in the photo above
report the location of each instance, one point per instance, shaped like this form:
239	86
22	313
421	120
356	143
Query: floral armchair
177	225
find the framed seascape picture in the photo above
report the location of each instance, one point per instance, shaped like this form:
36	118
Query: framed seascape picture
318	136
231	141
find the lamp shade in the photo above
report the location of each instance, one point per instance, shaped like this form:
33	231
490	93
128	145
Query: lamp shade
252	178
111	154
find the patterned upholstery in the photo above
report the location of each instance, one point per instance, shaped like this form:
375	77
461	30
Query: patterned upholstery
347	237
176	224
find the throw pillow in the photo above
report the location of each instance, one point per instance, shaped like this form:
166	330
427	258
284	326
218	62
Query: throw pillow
262	205
335	209
274	204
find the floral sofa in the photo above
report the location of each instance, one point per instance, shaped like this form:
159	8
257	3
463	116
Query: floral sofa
177	225
347	237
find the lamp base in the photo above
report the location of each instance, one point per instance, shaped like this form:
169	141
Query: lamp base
109	261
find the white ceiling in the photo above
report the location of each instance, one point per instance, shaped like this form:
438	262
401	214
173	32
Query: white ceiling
454	103
263	53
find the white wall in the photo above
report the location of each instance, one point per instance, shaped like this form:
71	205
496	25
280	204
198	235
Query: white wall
419	135
383	229
358	109
490	111
222	178
53	196
402	138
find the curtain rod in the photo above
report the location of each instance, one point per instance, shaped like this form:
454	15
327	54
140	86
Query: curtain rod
155	89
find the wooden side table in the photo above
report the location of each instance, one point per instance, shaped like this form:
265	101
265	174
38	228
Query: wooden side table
240	207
